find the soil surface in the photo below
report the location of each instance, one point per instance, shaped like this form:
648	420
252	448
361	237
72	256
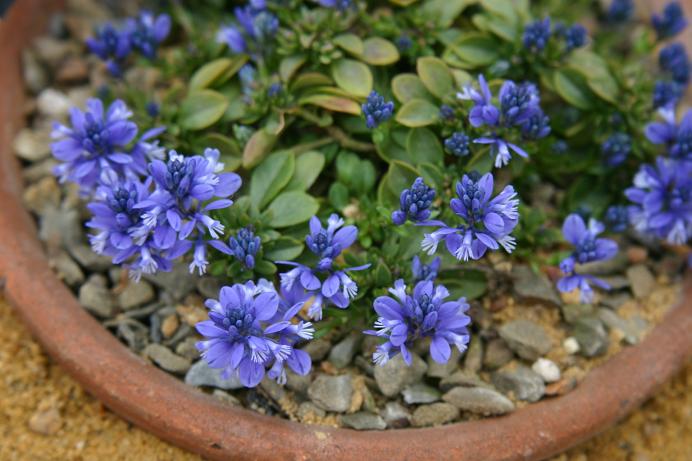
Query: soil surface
45	415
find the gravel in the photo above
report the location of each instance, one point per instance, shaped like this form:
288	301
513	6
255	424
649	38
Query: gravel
641	280
136	294
363	421
528	339
420	393
547	370
332	393
95	296
396	415
521	381
167	359
342	353
434	414
395	375
592	337
479	400
533	287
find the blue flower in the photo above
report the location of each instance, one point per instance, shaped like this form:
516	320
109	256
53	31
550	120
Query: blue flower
185	189
414	203
153	109
254	27
147	31
376	110
111	46
96	141
666	94
560	147
244	247
404	43
616	148
662	198
488	222
122	233
617	218
458	144
674	60
518	102
483	112
501	149
536	35
324	283
619	11
422	271
670	23
341	5
244	338
405	319
678	138
537	126
575	36
328	243
447	112
588	248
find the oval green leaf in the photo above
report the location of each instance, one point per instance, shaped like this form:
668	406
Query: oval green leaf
205	75
476	49
283	249
408	86
379	52
333	103
417	112
350	42
424	146
270	177
291	208
201	109
435	75
571	86
307	169
354	77
257	147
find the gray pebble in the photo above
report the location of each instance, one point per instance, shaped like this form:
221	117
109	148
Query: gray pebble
534	287
136	294
528	339
592	338
177	283
442	370
88	259
187	348
364	421
67	269
496	354
332	393
462	378
32	144
394	375
614	265
522	381
434	414
631	329
396	415
317	349
226	397
60	228
200	374
298	383
573	312
473	359
95	296
479	400
641	280
342	352
209	287
420	393
167	359
309	411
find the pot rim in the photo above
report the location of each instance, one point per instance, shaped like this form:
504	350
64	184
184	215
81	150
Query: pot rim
192	419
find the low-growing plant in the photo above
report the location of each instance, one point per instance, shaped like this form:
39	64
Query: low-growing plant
310	153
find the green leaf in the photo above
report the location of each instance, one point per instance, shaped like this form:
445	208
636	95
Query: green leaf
205	75
201	109
354	77
264	267
594	69
270	177
363	182
400	176
408	86
384	195
476	49
258	147
333	103
310	79
283	249
291	208
468	283
571	86
417	113
290	65
379	52
432	174
381	274
308	167
435	75
444	12
338	195
499	26
424	146
350	42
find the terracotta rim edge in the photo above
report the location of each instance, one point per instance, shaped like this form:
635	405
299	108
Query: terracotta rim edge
187	417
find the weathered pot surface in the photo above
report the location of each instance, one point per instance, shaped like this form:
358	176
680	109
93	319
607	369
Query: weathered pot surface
187	417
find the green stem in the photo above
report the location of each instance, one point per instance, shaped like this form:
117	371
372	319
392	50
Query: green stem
349	143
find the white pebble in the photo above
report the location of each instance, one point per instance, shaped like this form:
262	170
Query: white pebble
571	345
53	103
546	369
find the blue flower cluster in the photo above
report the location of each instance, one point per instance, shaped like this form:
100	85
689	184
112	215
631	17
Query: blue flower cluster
662	200
536	35
458	144
148	225
677	138
376	110
414	203
575	36
324	283
616	148
407	318
254	27
243	246
670	23
143	34
422	271
674	60
667	93
488	221
251	332
619	11
98	140
519	107
587	248
341	5
617	218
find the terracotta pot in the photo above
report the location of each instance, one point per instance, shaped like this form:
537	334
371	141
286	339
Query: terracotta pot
187	417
